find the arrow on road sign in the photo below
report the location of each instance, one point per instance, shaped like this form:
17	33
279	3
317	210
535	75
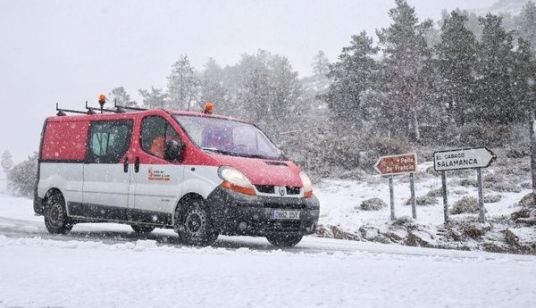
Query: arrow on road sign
463	159
396	164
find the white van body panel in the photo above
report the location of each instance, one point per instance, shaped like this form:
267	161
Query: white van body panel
106	185
67	177
159	188
201	180
156	187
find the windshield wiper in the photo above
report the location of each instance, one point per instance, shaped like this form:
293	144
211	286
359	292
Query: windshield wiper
212	150
215	150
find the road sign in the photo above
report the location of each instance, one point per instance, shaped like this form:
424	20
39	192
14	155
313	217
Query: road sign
463	159
396	164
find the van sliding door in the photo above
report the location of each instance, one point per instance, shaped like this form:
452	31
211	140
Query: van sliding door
106	171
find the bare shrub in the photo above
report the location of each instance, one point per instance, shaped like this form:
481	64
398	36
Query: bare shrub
22	177
423	200
465	205
373	204
492	198
435	193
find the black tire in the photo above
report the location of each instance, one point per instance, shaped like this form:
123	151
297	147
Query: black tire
141	229
284	240
194	225
56	220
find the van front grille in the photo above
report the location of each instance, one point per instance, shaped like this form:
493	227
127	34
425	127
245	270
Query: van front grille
265	189
293	190
270	189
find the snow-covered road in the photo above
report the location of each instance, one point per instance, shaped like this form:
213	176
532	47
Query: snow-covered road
108	265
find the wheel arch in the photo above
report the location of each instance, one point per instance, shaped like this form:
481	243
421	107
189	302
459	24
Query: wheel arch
52	191
182	202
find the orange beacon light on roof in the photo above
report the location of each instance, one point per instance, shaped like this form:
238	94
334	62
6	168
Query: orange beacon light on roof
208	107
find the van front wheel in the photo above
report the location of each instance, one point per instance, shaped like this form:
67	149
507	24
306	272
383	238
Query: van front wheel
194	225
56	220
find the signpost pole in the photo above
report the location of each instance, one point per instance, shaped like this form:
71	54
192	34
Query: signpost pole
533	151
475	158
390	165
445	200
392	195
482	216
413	202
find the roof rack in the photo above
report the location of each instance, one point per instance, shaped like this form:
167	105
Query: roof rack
121	109
62	111
95	110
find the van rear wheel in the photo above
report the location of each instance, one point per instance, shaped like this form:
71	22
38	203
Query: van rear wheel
142	229
56	220
194	225
284	240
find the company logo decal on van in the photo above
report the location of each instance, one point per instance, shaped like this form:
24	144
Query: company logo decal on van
157	175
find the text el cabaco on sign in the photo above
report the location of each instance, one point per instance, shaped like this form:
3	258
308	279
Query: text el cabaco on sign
455	160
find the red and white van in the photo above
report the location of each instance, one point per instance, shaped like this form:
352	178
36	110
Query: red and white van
198	173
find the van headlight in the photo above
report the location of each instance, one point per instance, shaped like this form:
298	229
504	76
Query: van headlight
236	181
307	185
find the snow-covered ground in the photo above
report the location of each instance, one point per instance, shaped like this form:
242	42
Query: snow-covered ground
340	199
108	265
341	213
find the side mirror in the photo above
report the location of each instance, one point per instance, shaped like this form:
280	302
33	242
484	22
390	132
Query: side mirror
173	150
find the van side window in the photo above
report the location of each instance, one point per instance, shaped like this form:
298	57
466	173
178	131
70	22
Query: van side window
108	141
155	132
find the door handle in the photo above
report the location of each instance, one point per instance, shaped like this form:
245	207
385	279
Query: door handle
125	165
137	165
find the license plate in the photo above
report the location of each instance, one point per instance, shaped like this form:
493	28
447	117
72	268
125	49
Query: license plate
283	214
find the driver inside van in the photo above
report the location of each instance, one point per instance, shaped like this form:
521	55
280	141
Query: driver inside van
158	145
217	137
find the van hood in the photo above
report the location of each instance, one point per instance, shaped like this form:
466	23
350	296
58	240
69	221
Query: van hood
263	171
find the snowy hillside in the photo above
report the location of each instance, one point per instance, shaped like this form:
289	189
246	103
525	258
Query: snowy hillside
505	184
512	7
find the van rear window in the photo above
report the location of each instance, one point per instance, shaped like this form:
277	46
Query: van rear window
64	141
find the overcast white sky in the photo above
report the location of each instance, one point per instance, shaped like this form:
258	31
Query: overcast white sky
70	51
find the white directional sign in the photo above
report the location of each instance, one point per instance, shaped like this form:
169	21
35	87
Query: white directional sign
463	159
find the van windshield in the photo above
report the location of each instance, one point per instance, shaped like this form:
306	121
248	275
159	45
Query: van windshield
228	137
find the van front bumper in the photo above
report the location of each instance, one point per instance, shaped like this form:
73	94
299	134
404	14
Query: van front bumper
233	213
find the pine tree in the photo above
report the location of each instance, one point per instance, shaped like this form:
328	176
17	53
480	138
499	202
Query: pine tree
183	85
253	87
320	64
155	98
456	57
286	91
7	161
494	104
212	86
407	66
121	97
266	91
523	77
527	23
351	76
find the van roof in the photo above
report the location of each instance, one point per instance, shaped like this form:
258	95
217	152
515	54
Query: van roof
110	115
202	114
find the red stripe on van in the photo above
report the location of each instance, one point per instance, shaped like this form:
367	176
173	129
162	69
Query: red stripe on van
65	141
